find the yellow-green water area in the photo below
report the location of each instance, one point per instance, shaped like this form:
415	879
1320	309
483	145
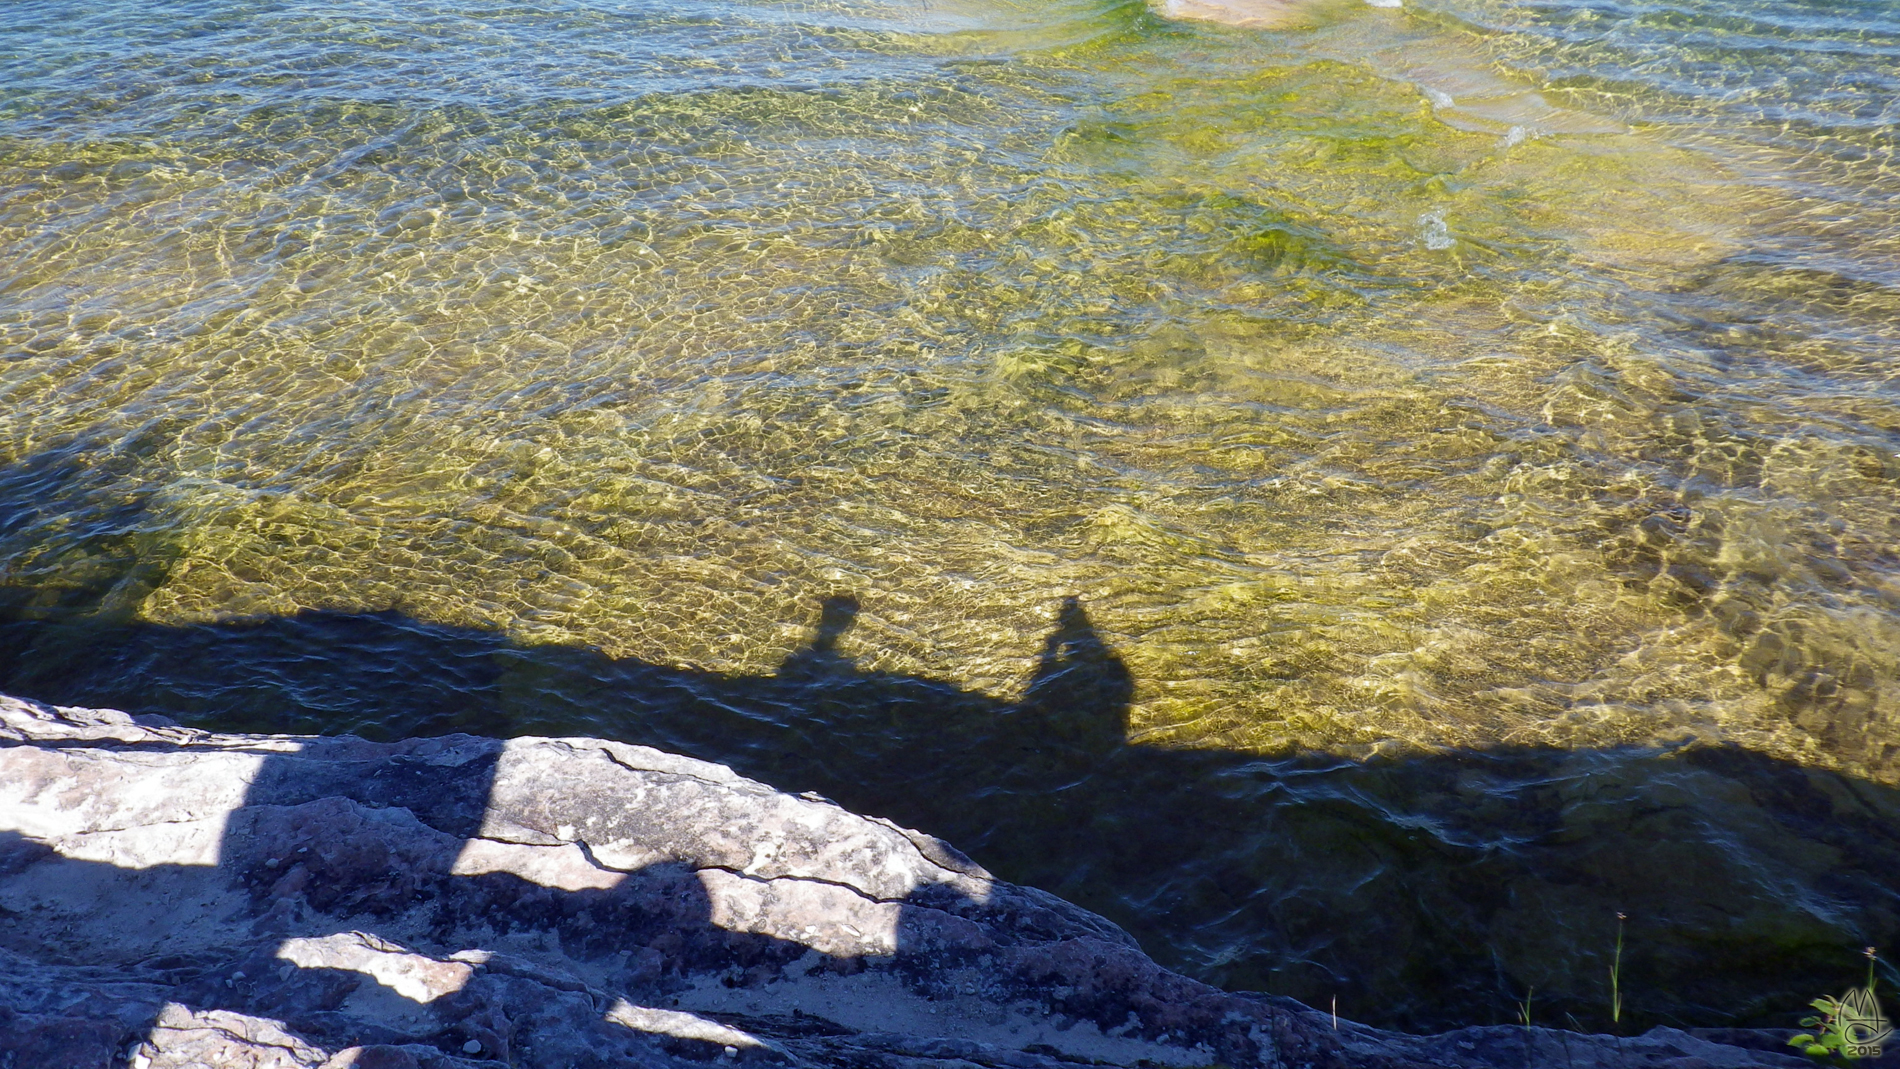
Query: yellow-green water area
1469	429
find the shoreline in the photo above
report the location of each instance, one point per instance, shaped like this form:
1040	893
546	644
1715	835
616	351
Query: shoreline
309	901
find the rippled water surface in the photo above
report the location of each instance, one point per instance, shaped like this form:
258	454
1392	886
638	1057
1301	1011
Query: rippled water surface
1470	429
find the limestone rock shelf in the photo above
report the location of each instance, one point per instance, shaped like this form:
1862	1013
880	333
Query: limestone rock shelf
172	897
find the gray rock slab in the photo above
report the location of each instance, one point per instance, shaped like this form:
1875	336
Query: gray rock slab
171	897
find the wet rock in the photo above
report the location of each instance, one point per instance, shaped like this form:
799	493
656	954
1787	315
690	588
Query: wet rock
174	897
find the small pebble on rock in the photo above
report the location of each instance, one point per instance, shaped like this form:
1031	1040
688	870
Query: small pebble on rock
732	1052
473	1046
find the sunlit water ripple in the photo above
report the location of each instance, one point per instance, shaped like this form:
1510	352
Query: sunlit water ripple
1472	425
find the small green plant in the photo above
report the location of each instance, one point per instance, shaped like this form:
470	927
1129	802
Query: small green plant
1616	974
1847	1028
1834	1033
1524	1007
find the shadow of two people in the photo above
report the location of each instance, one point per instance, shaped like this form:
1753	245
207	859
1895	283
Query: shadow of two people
1073	714
325	839
1430	889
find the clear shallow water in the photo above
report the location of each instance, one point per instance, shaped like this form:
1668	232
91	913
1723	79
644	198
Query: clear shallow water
1499	395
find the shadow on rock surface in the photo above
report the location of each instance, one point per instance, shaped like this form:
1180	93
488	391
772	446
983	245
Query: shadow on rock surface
176	898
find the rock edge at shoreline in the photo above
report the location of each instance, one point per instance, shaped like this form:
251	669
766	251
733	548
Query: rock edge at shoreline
171	897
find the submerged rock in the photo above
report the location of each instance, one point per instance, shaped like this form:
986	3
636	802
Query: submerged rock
1256	14
171	897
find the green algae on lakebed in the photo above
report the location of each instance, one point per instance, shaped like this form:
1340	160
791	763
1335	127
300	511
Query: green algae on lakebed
1466	377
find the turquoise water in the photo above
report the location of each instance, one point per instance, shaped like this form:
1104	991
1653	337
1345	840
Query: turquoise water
1470	428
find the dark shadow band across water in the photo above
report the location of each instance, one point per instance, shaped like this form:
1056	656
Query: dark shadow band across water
1421	891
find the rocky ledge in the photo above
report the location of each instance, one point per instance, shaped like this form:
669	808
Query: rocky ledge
171	897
